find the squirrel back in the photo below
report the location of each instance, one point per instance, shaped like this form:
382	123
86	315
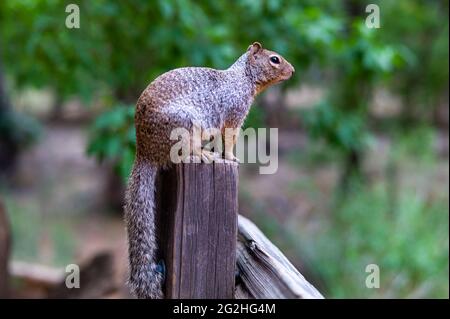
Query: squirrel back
178	99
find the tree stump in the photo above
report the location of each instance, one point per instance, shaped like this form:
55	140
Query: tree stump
197	216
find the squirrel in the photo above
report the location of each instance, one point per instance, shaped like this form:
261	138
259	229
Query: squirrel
178	99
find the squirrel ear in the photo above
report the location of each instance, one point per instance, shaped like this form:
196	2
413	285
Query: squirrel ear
255	47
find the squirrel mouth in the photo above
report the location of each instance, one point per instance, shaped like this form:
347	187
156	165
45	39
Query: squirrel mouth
286	76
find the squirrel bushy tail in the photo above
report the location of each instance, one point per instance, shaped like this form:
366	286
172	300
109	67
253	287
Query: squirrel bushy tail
145	281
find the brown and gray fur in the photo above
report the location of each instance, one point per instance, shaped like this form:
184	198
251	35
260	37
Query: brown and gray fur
208	97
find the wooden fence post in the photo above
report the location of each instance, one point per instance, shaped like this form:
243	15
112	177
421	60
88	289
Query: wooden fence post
197	213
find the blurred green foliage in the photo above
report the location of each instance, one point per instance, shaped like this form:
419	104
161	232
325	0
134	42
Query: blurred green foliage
403	230
362	61
32	233
421	29
124	45
113	138
410	246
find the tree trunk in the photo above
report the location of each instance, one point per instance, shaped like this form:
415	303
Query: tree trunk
8	149
5	241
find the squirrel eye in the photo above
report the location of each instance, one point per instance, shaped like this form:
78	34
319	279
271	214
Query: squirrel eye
274	59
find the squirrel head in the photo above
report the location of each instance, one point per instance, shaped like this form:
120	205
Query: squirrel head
267	67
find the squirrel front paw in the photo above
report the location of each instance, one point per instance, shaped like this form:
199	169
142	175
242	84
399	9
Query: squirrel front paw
209	157
205	157
230	157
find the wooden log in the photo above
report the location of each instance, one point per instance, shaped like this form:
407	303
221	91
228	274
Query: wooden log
197	215
41	281
5	243
34	281
96	279
264	272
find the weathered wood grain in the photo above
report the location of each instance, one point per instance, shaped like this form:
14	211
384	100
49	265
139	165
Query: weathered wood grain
264	272
197	214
